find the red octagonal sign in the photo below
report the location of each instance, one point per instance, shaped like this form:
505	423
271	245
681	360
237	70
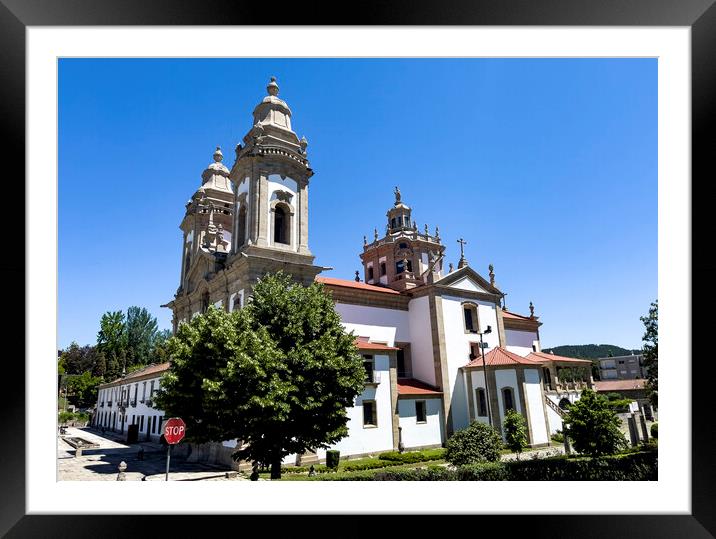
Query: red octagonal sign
174	430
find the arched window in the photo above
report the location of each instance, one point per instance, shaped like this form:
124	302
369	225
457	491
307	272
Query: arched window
241	238
481	399
281	225
399	268
564	403
508	398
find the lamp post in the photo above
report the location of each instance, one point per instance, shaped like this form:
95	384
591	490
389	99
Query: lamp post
484	372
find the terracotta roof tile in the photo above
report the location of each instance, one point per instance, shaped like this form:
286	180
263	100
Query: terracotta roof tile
541	356
515	316
149	369
366	345
619	385
411	386
355	284
500	356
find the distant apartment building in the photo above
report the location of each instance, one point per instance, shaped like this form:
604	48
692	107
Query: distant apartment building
622	367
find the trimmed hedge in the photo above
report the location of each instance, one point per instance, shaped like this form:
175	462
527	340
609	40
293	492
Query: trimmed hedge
654	430
412	457
629	467
333	457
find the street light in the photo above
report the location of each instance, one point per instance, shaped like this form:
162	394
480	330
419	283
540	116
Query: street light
484	372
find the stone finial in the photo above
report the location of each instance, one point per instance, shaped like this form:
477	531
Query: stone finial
357	276
504	301
375	234
437	233
492	274
218	156
427	233
450	267
303	143
365	240
272	87
462	262
415	226
397	195
532	310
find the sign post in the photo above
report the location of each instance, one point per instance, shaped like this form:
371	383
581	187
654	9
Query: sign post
174	430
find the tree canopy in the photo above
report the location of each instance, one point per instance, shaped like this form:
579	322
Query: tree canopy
593	426
278	374
651	352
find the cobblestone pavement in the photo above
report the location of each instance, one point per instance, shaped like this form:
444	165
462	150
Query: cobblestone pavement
100	464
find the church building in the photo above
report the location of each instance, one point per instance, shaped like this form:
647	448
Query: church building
440	348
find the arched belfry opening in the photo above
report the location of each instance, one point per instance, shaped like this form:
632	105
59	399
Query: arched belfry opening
281	225
241	228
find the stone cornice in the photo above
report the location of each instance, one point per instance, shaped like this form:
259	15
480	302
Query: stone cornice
521	325
367	298
442	290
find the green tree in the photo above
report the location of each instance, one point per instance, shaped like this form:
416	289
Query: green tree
651	352
160	346
515	431
112	335
141	331
593	426
82	389
278	374
479	442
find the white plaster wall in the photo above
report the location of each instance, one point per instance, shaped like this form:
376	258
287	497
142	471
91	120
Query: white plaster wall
381	325
457	348
420	434
555	422
467	284
507	378
276	183
520	342
533	397
371	439
421	340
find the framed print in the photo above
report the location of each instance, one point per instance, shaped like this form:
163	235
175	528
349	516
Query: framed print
138	52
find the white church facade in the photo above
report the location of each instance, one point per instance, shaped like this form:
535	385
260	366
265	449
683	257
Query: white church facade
423	329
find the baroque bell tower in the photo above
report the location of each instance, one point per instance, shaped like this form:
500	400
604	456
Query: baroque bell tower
270	177
404	257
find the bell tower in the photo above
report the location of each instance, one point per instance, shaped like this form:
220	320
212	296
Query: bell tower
270	177
404	257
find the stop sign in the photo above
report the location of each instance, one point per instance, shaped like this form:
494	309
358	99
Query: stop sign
174	430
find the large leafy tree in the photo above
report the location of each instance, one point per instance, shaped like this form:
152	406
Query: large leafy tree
82	389
593	426
141	330
278	374
651	352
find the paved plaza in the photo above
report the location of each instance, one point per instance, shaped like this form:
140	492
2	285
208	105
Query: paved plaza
101	463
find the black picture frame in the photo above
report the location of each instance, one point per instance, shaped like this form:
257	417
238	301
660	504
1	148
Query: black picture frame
699	15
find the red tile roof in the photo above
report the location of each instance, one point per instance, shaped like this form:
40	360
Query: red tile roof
619	385
365	345
149	369
541	356
500	356
355	284
508	314
411	386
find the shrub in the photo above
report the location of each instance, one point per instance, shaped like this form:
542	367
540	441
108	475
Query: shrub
515	431
413	456
479	442
654	430
558	437
333	457
592	426
631	467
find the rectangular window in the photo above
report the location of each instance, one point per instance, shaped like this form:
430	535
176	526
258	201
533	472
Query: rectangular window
470	318
401	364
382	269
421	413
151	389
144	391
370	273
369	414
481	402
368	366
141	422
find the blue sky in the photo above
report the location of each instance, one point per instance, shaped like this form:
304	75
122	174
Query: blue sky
547	167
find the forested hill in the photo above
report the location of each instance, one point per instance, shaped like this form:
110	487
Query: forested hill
590	351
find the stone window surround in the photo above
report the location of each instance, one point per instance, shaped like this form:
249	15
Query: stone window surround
373	425
481	410
503	392
473	307
425	412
